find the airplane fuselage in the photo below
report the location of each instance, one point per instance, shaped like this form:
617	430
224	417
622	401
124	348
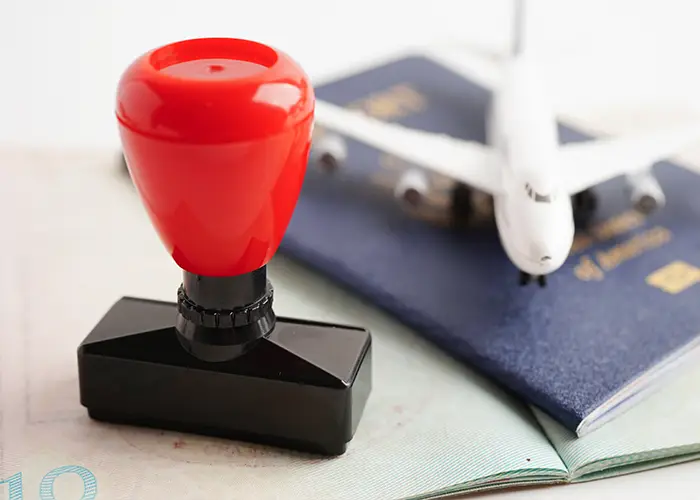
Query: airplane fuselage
534	217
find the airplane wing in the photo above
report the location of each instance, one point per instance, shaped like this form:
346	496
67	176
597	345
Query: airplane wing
589	163
463	161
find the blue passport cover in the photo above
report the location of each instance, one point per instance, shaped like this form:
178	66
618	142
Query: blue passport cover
623	302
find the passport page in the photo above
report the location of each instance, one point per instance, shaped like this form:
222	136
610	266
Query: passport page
660	430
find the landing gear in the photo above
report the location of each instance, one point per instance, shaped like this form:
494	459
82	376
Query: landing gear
526	278
584	205
461	205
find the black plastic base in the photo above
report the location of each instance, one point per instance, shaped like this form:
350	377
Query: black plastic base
303	387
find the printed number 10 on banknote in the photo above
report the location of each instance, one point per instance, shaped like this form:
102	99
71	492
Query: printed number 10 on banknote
13	487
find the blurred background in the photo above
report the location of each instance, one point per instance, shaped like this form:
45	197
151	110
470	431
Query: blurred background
61	60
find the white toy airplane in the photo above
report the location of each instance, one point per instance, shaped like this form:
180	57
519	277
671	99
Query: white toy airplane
531	176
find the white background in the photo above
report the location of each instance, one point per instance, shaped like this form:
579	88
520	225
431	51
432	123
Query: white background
60	62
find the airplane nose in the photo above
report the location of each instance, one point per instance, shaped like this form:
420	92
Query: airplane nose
541	253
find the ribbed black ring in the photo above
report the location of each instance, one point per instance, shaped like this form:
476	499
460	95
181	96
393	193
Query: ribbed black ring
224	318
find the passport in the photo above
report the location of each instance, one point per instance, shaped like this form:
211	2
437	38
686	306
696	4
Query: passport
612	325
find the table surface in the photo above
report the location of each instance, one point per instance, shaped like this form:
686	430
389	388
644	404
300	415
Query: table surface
67	57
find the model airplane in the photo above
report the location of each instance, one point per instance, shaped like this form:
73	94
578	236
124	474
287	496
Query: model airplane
538	185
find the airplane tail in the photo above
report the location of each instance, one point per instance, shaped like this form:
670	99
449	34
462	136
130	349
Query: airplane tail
519	28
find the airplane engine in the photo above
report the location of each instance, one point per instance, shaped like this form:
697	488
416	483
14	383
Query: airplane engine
645	192
329	152
412	188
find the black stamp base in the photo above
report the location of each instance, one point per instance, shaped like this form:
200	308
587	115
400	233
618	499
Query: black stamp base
302	387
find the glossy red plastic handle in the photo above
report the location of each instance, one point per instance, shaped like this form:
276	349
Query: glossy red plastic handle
216	133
